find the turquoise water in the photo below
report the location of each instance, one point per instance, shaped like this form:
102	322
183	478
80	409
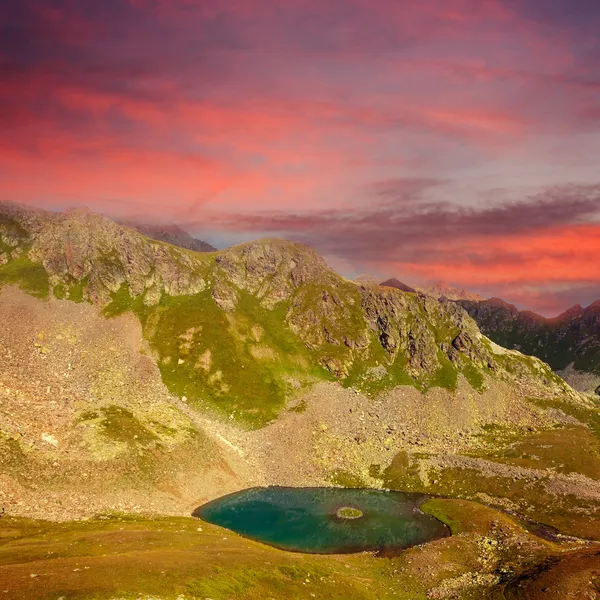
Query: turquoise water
306	520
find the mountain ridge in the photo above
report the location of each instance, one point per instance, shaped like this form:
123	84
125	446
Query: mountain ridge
309	313
570	338
443	290
395	283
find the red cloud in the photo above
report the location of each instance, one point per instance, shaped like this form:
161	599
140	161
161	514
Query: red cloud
247	106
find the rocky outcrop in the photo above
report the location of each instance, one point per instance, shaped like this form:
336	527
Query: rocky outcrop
270	269
80	246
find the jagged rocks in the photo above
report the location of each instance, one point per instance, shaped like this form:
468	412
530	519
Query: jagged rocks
79	245
271	269
225	296
467	346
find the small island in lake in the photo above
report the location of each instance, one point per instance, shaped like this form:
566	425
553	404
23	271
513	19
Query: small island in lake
347	512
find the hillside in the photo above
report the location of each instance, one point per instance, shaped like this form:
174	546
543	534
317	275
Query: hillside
140	377
571	338
240	330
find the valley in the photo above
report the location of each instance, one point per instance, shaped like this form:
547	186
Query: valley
141	380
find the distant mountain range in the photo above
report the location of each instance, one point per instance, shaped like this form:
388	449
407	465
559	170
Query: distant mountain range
572	337
171	234
443	290
394	283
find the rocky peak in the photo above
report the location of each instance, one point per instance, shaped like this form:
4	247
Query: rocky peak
81	246
272	269
395	283
442	290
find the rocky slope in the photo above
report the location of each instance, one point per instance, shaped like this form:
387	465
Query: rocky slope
572	338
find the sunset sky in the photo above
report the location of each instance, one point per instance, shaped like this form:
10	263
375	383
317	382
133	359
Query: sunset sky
454	140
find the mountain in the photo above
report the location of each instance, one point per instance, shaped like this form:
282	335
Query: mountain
269	306
572	338
366	280
443	290
394	283
171	234
140	380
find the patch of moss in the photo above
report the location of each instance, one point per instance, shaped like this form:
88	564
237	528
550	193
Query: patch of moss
120	425
28	275
122	302
375	471
72	290
475	377
446	376
346	479
348	512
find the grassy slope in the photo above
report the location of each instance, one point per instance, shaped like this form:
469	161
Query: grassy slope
247	362
167	558
243	363
570	449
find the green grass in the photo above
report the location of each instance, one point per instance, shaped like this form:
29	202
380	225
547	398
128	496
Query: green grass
347	512
238	363
571	515
586	414
345	479
73	290
474	377
130	558
30	276
120	425
446	376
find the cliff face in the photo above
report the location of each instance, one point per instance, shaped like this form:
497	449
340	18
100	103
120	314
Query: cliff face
572	337
243	327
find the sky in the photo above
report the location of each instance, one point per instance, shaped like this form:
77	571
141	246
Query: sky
428	140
